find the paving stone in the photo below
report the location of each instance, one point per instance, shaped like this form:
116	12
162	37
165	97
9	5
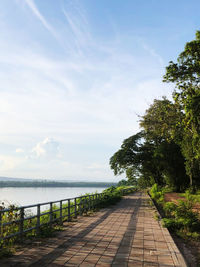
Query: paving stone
123	235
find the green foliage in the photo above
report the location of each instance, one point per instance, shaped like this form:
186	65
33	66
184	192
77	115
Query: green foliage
181	218
162	128
143	182
161	121
195	197
6	246
167	150
111	195
169	208
152	156
186	76
126	157
122	182
131	174
155	192
47	231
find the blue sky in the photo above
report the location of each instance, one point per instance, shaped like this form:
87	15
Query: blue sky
75	75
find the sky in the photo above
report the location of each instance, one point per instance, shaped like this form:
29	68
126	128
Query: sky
75	77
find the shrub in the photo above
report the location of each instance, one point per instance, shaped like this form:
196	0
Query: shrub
181	216
169	208
157	194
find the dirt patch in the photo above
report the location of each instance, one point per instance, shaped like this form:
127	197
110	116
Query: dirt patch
173	197
189	248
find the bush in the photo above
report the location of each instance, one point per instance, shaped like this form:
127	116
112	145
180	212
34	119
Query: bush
157	194
169	208
179	217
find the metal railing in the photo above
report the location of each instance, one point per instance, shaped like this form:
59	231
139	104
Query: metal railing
15	222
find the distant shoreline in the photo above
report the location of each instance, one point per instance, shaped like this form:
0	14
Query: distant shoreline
4	184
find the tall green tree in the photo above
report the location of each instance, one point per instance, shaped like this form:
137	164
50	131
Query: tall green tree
151	162
162	124
126	157
185	74
154	155
162	121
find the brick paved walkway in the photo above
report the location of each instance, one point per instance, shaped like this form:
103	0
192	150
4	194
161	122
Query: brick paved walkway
124	235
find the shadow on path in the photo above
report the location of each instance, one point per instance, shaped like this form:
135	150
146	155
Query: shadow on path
121	257
58	251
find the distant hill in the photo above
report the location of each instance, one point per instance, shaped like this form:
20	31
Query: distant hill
15	179
23	182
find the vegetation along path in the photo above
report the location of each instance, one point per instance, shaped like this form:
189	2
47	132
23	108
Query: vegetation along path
126	234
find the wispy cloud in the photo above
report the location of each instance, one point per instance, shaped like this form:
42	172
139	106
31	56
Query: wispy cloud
153	53
87	99
79	28
42	19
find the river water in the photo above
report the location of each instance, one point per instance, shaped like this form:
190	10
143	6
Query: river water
22	196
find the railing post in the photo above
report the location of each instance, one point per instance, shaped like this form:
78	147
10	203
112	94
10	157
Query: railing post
92	202
86	204
79	207
69	215
89	203
83	204
38	219
75	208
95	203
21	226
95	199
61	219
51	214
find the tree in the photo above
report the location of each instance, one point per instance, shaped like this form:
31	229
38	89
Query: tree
154	154
163	128
186	76
149	161
162	121
126	156
132	175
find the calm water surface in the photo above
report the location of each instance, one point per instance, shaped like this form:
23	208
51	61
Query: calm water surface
26	196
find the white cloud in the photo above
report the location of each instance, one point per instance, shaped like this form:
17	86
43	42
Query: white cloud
19	150
47	148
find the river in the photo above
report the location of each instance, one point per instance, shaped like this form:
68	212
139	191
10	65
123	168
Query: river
22	196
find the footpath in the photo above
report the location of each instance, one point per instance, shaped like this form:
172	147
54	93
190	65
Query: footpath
123	235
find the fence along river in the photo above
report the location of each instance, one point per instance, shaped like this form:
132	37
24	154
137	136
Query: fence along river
58	211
